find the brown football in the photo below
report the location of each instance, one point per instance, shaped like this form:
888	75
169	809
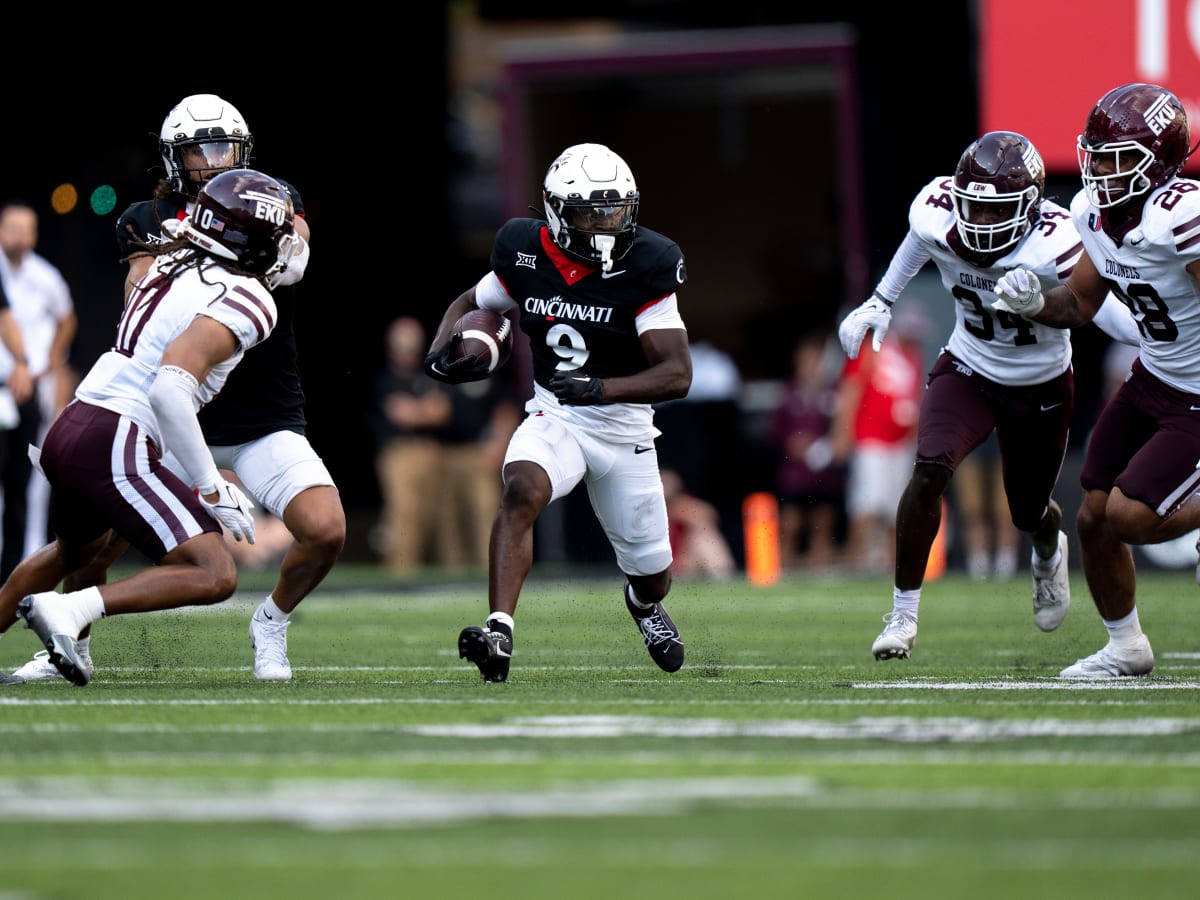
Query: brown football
486	334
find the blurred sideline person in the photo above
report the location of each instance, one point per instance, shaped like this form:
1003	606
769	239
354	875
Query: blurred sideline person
810	485
998	371
596	294
1140	225
439	448
990	541
700	438
874	436
41	303
188	322
698	547
256	426
483	417
16	385
407	411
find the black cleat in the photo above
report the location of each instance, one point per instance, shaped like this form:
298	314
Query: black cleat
490	650
659	633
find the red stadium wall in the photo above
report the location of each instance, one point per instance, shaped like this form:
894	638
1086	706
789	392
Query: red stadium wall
1044	63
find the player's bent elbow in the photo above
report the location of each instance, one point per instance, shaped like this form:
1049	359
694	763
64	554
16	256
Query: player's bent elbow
678	389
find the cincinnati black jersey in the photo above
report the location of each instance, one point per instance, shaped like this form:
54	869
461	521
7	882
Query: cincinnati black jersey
571	311
263	394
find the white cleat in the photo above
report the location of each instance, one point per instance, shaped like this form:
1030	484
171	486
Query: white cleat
47	616
1052	593
41	669
269	641
897	639
1109	662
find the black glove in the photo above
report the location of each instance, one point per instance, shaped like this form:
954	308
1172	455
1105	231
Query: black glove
440	367
576	388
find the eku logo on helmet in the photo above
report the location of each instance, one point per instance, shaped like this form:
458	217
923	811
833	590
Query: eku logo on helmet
1032	160
267	207
1160	114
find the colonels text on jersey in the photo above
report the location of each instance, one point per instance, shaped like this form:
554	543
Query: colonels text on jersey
570	311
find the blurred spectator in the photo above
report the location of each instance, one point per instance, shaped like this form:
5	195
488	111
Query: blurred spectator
875	433
810	485
990	540
408	411
697	545
483	417
43	309
700	435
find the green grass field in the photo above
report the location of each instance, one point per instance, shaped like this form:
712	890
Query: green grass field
782	761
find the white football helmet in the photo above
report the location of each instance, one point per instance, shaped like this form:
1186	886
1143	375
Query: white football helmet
591	203
203	134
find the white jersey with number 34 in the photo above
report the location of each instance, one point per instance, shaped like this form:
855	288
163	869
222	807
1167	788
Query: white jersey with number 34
1005	348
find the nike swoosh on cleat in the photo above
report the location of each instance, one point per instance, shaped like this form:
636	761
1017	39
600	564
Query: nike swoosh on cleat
1046	408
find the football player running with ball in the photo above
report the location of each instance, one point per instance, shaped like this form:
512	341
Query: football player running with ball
1140	225
998	371
596	295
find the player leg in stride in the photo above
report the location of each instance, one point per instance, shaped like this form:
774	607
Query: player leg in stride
609	346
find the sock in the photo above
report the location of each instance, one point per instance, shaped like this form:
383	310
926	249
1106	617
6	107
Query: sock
635	599
906	601
81	645
978	566
91	606
1124	631
1046	566
273	612
504	620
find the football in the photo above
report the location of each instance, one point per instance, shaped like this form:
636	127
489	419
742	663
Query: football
486	334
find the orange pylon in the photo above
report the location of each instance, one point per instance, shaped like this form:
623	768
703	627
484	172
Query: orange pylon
760	524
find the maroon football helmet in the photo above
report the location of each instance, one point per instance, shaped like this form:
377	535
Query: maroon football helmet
1136	139
998	188
247	217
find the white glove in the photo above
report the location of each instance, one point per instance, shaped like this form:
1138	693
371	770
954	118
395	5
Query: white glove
1019	292
232	508
873	315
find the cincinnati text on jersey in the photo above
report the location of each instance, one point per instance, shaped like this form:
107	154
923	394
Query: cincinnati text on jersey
557	308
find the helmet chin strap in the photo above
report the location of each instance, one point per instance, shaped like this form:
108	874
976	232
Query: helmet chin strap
605	244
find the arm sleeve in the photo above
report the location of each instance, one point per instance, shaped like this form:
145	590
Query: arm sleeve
1114	319
296	265
490	293
908	260
173	398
